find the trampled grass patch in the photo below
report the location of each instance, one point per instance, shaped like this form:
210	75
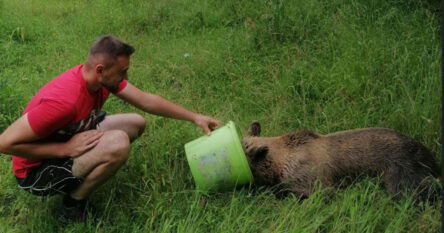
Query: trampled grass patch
291	64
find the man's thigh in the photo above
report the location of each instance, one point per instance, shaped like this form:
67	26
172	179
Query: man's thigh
131	123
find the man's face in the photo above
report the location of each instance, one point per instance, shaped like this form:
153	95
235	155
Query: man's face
112	76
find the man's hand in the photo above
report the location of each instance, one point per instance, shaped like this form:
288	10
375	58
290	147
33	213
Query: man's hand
82	142
207	123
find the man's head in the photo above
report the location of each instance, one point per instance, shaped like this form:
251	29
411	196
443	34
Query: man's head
108	58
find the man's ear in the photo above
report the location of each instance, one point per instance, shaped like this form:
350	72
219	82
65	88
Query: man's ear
255	129
99	68
259	153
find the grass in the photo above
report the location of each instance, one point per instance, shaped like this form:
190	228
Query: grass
291	64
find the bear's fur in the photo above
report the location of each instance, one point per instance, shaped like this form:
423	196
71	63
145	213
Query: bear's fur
297	159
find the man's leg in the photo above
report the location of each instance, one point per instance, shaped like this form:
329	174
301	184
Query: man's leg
100	163
95	167
132	123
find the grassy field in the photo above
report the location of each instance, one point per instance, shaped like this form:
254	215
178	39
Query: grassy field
291	64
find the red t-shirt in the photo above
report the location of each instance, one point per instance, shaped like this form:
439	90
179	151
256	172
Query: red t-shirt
60	109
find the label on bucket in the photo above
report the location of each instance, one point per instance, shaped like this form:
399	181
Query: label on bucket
215	168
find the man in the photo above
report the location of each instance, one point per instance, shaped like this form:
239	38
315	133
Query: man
64	143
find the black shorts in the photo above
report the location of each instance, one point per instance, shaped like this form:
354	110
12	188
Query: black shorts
53	176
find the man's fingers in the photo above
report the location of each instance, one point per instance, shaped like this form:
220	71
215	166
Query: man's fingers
88	147
91	145
90	133
207	131
96	136
214	125
93	136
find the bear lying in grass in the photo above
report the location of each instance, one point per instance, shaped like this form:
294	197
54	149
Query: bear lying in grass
296	160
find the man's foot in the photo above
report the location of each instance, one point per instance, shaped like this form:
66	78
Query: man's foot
74	211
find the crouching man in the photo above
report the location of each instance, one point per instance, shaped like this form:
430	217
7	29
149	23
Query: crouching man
64	144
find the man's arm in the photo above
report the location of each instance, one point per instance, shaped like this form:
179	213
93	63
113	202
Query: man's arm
155	104
19	139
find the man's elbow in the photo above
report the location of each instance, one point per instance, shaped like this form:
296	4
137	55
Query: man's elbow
4	145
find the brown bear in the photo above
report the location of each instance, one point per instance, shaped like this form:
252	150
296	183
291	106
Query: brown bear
296	160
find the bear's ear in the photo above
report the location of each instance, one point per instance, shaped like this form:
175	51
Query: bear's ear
259	153
255	129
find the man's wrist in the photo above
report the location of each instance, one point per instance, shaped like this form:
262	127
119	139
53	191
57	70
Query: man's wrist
196	118
63	151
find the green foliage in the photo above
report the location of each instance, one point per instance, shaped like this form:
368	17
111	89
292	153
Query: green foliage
291	64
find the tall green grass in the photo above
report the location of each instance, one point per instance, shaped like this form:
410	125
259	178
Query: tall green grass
291	64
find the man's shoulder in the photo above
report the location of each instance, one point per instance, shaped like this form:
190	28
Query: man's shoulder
72	76
66	87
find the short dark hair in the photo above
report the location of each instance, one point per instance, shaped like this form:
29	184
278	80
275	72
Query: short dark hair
111	47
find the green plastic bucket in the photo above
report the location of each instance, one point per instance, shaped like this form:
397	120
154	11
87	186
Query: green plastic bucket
218	162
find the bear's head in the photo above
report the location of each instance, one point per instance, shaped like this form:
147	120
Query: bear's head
257	151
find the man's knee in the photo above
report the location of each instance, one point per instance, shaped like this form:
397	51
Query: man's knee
117	145
139	122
